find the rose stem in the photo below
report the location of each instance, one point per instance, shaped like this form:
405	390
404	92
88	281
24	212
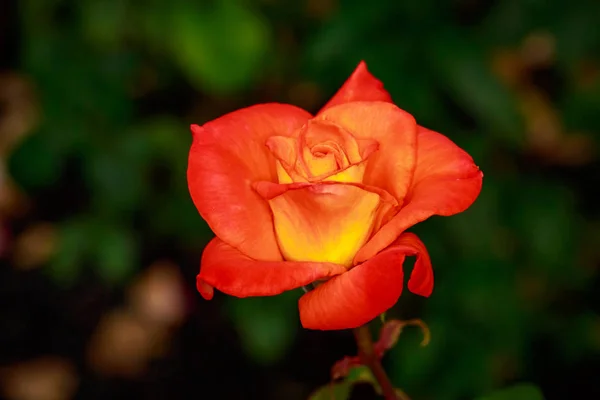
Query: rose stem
367	355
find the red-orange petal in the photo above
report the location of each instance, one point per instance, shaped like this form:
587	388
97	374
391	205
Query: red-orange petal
234	273
361	86
228	154
446	182
421	277
369	289
392	166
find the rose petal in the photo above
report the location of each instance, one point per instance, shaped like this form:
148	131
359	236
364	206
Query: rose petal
318	131
361	86
446	182
369	289
318	150
285	150
421	277
232	272
391	167
227	155
326	221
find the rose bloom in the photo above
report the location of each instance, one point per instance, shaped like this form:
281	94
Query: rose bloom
296	199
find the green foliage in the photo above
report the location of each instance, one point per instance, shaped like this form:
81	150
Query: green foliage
73	244
343	389
518	392
220	47
114	252
47	168
267	325
460	67
333	391
110	249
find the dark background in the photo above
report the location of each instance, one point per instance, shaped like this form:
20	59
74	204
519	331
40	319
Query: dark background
100	242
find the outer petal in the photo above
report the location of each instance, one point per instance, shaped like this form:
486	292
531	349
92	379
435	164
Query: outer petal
324	221
361	86
232	272
446	182
361	294
421	277
391	167
227	155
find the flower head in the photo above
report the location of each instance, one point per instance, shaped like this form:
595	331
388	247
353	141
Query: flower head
295	198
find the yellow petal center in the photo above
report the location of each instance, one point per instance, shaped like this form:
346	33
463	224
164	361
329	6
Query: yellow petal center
325	222
329	219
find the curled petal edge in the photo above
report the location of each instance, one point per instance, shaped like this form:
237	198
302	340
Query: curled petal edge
352	299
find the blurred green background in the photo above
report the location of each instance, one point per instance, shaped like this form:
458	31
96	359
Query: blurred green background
100	242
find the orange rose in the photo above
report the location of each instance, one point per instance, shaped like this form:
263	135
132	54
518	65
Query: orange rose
295	199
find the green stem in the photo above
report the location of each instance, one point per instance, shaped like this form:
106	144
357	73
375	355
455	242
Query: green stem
367	355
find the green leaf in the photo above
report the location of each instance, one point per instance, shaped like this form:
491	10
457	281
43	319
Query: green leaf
220	47
518	392
333	391
342	390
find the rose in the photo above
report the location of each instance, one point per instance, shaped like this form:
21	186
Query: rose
295	199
